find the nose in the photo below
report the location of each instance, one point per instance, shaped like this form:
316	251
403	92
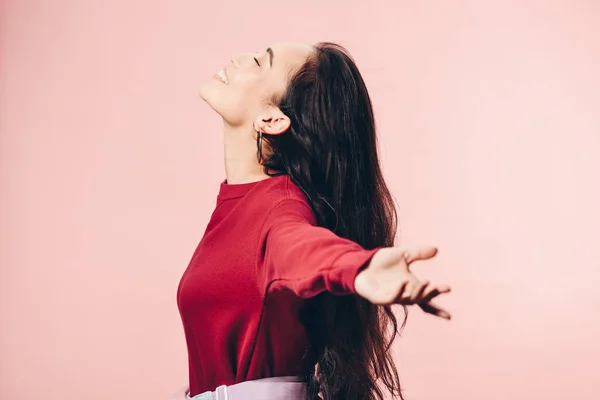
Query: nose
241	59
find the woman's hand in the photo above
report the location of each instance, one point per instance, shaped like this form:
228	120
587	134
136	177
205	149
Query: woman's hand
388	280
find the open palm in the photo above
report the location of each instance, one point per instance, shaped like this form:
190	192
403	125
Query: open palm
389	280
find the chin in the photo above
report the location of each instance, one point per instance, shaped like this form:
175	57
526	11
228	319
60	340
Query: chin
222	111
206	92
223	103
209	96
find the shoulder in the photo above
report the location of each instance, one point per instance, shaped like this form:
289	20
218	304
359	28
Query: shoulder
282	198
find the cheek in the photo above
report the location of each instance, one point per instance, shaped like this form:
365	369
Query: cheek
246	94
241	100
248	87
238	102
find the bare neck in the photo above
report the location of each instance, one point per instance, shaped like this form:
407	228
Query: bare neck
241	164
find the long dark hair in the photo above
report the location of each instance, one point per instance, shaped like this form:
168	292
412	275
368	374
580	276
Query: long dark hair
330	152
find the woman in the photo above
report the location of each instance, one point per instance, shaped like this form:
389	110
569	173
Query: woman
295	275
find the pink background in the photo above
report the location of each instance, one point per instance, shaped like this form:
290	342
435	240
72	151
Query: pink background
489	115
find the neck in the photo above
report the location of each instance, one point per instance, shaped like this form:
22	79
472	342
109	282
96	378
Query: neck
241	165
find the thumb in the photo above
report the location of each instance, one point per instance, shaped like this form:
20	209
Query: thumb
419	253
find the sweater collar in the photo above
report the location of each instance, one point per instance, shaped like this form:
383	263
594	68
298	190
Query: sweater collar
232	191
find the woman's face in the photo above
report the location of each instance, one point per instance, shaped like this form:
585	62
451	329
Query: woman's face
241	91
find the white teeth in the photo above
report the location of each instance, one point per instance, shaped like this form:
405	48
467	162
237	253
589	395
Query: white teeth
222	76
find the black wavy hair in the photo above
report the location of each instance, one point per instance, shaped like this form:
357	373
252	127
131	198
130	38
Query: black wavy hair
330	152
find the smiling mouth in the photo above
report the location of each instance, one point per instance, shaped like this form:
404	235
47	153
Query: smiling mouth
222	76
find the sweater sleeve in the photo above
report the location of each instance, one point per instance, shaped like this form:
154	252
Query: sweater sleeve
299	256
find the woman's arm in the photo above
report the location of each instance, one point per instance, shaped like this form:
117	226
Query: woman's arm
306	259
299	256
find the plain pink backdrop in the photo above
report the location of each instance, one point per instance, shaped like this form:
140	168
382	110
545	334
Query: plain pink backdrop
489	121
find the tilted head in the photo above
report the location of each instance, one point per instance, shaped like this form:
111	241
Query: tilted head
244	91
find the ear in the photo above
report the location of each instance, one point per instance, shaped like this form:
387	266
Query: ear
272	121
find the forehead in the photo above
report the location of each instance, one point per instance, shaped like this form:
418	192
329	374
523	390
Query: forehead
290	55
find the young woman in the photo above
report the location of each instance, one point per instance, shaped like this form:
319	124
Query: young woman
288	294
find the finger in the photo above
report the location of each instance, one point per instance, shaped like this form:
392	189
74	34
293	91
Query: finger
434	291
405	293
412	285
419	253
431	308
417	293
401	292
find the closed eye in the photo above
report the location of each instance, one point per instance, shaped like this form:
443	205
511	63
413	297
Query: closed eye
257	63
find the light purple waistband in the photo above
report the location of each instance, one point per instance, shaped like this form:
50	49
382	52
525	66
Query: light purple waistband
275	388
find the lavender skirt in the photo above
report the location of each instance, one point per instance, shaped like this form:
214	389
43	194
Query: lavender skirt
279	388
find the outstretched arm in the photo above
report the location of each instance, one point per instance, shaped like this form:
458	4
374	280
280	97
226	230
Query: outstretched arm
306	259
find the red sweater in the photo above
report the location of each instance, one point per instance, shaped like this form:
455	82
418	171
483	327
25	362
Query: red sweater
260	257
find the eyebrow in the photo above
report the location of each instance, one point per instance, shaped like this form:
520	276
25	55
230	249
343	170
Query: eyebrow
270	51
